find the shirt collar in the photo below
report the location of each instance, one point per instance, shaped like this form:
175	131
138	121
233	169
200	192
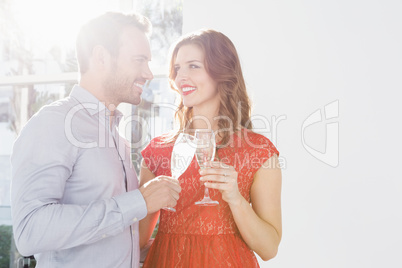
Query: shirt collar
85	97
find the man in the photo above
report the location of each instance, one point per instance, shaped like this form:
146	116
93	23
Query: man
75	197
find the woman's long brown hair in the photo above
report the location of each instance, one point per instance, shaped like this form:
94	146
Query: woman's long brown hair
223	65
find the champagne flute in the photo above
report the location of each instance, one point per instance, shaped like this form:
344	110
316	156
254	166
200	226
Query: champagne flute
182	155
205	152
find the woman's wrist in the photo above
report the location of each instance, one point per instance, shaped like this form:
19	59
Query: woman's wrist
237	203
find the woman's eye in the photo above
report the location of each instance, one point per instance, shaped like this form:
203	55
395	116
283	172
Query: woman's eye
193	66
176	68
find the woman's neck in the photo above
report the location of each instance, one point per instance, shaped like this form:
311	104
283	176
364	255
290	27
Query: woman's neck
205	119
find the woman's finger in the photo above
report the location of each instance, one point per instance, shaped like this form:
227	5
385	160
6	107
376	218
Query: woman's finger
217	186
217	164
215	171
216	178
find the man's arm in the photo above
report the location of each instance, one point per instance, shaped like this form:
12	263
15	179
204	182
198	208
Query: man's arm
42	161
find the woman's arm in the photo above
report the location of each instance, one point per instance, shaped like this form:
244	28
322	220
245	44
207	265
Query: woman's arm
146	225
260	224
158	192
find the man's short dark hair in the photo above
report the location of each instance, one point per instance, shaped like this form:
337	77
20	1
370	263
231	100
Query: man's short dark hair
105	30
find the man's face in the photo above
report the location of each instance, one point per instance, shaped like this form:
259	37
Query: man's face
129	70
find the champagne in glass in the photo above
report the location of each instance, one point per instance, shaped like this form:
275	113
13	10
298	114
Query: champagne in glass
205	152
182	155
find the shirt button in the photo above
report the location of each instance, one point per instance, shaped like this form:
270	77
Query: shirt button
135	219
133	232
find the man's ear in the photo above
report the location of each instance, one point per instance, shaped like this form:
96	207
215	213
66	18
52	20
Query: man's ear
100	57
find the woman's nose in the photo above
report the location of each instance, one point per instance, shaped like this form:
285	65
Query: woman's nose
181	74
180	80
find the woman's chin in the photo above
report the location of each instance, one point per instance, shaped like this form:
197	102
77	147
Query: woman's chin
188	104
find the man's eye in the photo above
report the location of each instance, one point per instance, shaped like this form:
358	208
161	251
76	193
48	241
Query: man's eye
139	60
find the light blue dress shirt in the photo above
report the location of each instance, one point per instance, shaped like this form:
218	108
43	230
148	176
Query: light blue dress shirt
74	195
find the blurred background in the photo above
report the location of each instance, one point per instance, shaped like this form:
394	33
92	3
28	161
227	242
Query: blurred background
325	81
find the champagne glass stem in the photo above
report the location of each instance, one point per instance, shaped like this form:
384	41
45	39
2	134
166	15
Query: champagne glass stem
205	153
206	192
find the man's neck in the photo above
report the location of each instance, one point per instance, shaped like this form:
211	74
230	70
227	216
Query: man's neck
96	89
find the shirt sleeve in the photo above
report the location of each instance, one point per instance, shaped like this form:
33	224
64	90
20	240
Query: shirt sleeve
42	161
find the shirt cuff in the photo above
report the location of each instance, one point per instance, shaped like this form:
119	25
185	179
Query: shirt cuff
132	206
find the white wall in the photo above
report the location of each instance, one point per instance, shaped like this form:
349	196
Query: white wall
299	56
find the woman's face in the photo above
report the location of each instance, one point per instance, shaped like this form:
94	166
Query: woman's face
195	85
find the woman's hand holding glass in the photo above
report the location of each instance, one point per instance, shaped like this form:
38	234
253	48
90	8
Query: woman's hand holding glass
217	175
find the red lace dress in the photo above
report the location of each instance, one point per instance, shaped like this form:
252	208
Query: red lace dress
197	236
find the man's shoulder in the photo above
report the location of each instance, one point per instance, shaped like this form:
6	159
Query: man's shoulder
62	106
53	114
57	109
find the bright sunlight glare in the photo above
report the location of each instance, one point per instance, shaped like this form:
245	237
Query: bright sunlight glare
53	22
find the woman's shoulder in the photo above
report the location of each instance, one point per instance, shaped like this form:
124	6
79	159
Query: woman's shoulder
159	145
163	140
257	142
157	152
256	138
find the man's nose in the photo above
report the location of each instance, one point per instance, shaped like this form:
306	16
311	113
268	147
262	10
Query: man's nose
147	73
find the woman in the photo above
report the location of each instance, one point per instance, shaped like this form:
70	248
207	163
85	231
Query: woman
205	70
